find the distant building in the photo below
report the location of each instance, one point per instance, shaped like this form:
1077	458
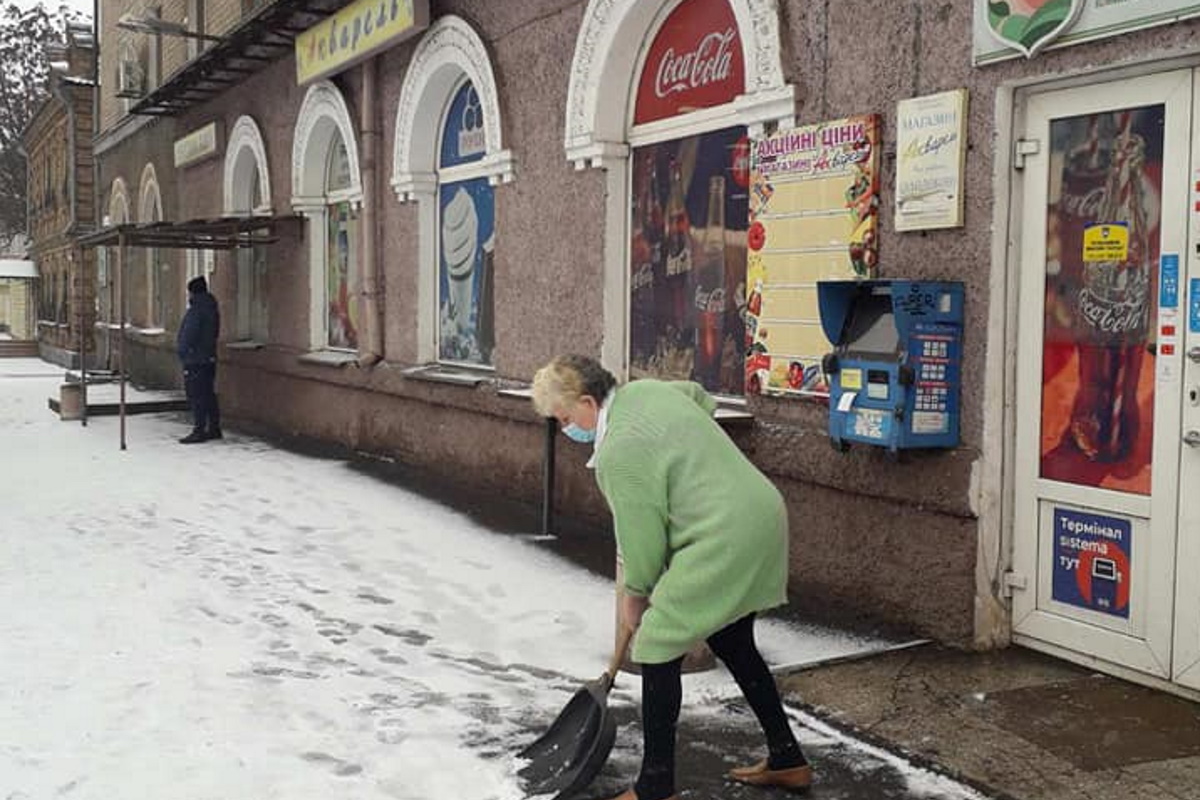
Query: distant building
18	279
61	200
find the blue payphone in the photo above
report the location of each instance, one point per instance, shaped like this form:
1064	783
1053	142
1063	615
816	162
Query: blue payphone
894	374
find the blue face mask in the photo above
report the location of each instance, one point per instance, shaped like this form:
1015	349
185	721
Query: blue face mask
578	434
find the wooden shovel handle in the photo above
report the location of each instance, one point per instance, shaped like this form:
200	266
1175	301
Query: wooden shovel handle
623	639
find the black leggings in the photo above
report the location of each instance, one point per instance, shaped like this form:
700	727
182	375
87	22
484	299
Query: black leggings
662	691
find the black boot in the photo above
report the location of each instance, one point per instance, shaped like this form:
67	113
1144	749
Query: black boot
194	437
215	433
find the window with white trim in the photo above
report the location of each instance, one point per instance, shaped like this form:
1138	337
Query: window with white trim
466	236
327	190
342	268
688	200
252	277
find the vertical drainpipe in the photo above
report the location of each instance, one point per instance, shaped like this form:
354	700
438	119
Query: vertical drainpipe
372	352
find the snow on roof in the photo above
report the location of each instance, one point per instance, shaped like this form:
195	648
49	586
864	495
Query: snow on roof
17	268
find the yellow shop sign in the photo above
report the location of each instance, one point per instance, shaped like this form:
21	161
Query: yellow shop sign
355	33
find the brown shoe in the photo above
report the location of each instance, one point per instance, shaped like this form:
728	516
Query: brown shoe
761	775
630	794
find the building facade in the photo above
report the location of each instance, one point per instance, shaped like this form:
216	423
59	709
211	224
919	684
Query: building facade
58	144
483	185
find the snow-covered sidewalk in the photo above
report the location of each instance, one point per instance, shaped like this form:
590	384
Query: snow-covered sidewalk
230	620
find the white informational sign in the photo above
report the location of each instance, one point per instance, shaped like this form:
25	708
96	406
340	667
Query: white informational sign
1001	30
931	155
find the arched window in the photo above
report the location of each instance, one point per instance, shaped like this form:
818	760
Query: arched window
664	95
248	191
688	204
106	293
449	157
327	190
157	271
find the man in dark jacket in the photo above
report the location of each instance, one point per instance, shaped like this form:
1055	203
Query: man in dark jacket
197	346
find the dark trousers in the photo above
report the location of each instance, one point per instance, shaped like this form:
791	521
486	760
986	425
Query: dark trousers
199	382
662	691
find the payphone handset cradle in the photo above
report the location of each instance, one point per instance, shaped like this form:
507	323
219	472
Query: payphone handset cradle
894	373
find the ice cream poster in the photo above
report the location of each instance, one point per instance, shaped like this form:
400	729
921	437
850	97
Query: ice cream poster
813	216
467	220
466	242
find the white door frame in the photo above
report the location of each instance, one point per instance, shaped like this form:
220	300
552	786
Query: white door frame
1187	586
1144	643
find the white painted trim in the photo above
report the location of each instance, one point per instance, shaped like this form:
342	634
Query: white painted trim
323	112
609	51
118	192
992	473
427	276
245	137
148	193
150	210
318	234
614	347
449	51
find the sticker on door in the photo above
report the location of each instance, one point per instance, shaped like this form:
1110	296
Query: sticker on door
1091	561
1194	306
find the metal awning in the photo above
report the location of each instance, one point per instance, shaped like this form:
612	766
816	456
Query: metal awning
220	233
259	40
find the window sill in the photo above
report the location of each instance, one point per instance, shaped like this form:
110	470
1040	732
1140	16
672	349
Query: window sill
245	344
728	417
517	394
328	358
436	373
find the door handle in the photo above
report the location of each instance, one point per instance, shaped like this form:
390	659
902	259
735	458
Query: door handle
1194	354
1192	438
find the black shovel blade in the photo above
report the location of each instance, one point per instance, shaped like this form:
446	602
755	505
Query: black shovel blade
573	751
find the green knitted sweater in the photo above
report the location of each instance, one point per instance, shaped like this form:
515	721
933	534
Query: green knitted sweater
700	530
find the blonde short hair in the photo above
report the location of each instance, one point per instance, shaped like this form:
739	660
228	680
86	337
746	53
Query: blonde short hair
567	379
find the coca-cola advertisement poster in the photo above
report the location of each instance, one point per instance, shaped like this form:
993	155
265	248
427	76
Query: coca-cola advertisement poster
688	260
1101	299
814	209
694	62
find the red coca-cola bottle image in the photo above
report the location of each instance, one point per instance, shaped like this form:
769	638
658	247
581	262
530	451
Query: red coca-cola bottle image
641	288
709	293
647	266
678	264
1084	178
1113	315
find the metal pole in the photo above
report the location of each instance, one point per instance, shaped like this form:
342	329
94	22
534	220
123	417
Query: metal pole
121	328
548	477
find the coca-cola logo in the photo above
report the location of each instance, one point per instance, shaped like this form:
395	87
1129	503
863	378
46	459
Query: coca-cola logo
1086	206
643	277
1115	318
711	301
710	62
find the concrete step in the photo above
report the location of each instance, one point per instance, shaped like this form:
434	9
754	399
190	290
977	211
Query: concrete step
10	348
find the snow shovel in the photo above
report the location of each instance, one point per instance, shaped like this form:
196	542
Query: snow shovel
571	753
